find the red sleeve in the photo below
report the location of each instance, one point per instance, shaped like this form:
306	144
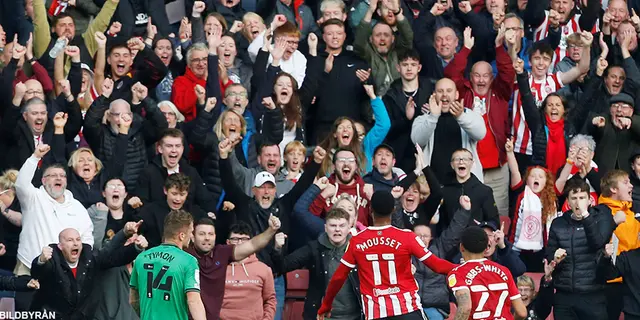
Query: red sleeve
455	69
503	84
317	207
335	284
42	76
455	282
224	86
183	96
434	263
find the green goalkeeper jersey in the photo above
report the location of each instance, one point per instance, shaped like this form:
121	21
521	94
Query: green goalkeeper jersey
163	275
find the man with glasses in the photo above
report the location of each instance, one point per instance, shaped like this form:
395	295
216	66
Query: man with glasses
463	182
47	210
616	134
249	287
182	92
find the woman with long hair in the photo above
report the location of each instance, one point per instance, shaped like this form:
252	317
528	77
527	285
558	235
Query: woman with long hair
535	208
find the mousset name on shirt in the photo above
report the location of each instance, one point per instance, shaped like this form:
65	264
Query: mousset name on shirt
485	267
383	292
379	241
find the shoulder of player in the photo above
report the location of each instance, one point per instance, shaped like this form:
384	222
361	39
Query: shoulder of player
368	231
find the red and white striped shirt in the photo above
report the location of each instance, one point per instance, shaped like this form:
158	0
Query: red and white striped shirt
570	27
383	257
540	90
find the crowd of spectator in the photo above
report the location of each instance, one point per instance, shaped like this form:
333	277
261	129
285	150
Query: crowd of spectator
117	114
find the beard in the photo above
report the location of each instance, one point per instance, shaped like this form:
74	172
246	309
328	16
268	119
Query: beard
54	194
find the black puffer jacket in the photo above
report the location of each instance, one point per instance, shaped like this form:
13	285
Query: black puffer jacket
142	133
68	296
432	286
315	256
584	242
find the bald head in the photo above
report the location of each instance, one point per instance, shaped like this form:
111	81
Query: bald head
446	93
68	233
34	89
481	77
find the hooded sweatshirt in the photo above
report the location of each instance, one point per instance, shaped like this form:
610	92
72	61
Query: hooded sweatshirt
321	205
627	232
249	292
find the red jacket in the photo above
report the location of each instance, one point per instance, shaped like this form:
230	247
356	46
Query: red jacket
183	94
39	73
500	93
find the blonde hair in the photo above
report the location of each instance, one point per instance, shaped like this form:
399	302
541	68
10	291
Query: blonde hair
8	180
247	16
174	109
525	280
295	145
218	127
344	197
75	157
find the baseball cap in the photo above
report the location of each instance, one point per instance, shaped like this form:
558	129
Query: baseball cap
384	146
487	224
84	66
262	178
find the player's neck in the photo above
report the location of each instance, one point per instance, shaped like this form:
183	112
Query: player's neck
381	221
472	256
174	242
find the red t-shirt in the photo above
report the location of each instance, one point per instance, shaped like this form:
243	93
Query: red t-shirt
383	256
491	286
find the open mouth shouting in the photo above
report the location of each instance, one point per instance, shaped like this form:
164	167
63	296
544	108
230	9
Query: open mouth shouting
271	166
121	68
38	125
75	253
461	169
165	58
345	138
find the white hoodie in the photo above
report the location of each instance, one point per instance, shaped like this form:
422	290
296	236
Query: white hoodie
43	218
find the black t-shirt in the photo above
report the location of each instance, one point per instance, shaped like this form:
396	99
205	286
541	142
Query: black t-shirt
447	139
113	226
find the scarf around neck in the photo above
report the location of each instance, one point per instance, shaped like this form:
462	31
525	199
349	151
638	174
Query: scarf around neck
556	145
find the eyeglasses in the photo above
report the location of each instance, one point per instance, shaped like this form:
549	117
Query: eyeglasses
236	94
115	186
199	60
117	114
346	160
56	176
237	240
461	159
620	106
38	92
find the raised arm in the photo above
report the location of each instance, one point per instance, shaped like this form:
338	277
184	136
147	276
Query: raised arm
585	62
41	29
99	24
258	242
516	178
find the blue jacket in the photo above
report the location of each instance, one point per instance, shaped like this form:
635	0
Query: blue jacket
376	135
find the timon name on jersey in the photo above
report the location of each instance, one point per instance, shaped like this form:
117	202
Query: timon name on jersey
160	254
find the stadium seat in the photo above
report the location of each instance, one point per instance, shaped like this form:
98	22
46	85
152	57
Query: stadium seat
297	285
507	224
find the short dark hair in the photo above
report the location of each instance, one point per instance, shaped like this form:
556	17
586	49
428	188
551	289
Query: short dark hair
542	47
54	166
171	132
407	55
266	144
474	239
104	185
240	227
175	222
336	213
178	180
61	16
118	44
205	221
333	22
340	149
576	184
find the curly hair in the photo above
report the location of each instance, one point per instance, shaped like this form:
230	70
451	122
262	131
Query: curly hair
547	195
